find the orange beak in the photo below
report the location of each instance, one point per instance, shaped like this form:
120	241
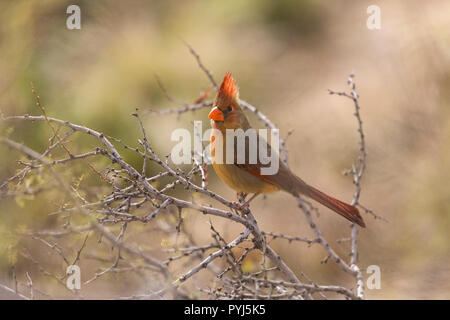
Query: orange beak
216	114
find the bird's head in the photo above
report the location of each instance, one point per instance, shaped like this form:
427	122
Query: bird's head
226	112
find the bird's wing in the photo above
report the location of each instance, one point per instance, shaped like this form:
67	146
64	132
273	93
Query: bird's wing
282	178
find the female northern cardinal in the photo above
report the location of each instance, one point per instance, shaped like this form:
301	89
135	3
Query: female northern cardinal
247	177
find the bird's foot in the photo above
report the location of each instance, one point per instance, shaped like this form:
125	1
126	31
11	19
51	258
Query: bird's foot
241	208
241	205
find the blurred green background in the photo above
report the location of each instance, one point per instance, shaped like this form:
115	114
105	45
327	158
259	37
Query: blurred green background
284	56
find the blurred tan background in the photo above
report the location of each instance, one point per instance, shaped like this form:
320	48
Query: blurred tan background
284	56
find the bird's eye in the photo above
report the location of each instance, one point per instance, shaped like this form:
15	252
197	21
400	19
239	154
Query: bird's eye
229	108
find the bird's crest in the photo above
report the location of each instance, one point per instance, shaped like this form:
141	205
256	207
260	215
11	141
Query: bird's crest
228	89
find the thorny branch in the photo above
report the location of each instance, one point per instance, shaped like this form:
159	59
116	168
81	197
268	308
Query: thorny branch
133	202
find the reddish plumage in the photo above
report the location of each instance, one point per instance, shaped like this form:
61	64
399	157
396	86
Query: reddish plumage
347	211
228	87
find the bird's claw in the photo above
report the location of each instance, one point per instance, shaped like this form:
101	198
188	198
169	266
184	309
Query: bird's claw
242	208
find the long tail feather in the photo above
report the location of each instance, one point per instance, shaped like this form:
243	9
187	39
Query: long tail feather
347	211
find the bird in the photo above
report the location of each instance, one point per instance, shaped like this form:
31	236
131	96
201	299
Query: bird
245	177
